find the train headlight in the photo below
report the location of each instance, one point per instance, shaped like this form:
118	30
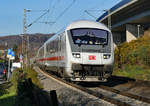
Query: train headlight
106	56
76	55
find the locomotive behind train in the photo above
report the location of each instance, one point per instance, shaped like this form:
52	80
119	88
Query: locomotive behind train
82	52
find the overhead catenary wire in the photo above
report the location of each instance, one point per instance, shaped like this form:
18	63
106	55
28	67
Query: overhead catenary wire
49	14
90	14
46	18
52	6
36	10
43	26
37	18
90	11
86	11
63	12
95	9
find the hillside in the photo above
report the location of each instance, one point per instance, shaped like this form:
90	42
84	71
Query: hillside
133	59
35	41
16	39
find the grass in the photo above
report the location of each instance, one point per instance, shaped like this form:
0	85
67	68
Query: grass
8	94
33	74
136	72
1	60
8	99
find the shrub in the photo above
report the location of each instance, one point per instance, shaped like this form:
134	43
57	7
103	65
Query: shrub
134	52
17	76
133	59
32	74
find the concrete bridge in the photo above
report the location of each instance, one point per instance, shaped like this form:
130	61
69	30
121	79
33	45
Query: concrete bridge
128	19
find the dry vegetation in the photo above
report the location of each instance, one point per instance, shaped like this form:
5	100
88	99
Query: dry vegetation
133	59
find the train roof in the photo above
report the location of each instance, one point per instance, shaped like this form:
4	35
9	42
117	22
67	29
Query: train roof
86	24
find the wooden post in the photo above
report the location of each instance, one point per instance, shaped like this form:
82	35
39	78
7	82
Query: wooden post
53	97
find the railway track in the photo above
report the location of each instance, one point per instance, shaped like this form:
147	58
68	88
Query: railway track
124	93
138	100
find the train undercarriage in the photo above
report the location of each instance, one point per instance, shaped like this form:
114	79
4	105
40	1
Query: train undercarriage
91	72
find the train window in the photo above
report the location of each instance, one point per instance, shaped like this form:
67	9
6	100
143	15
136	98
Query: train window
89	36
52	47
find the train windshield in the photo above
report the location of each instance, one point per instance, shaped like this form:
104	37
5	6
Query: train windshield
89	36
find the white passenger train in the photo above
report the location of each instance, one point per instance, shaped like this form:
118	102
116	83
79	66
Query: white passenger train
83	52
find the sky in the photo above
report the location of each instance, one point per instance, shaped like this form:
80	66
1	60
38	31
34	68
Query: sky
61	12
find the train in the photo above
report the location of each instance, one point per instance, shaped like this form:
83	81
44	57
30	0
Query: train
83	51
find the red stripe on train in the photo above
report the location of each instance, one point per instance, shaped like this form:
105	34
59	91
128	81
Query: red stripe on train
57	58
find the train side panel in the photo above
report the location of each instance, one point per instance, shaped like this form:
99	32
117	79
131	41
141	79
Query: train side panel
40	56
63	57
55	56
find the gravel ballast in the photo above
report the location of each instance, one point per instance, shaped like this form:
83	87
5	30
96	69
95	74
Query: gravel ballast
68	96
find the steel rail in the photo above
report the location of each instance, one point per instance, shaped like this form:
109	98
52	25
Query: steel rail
98	95
124	93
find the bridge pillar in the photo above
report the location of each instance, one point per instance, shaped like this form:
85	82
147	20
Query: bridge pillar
133	32
119	37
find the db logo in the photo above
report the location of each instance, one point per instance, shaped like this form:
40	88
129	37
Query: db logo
92	57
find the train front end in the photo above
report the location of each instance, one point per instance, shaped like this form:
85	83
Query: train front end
91	55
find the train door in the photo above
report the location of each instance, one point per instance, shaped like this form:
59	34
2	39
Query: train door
63	50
